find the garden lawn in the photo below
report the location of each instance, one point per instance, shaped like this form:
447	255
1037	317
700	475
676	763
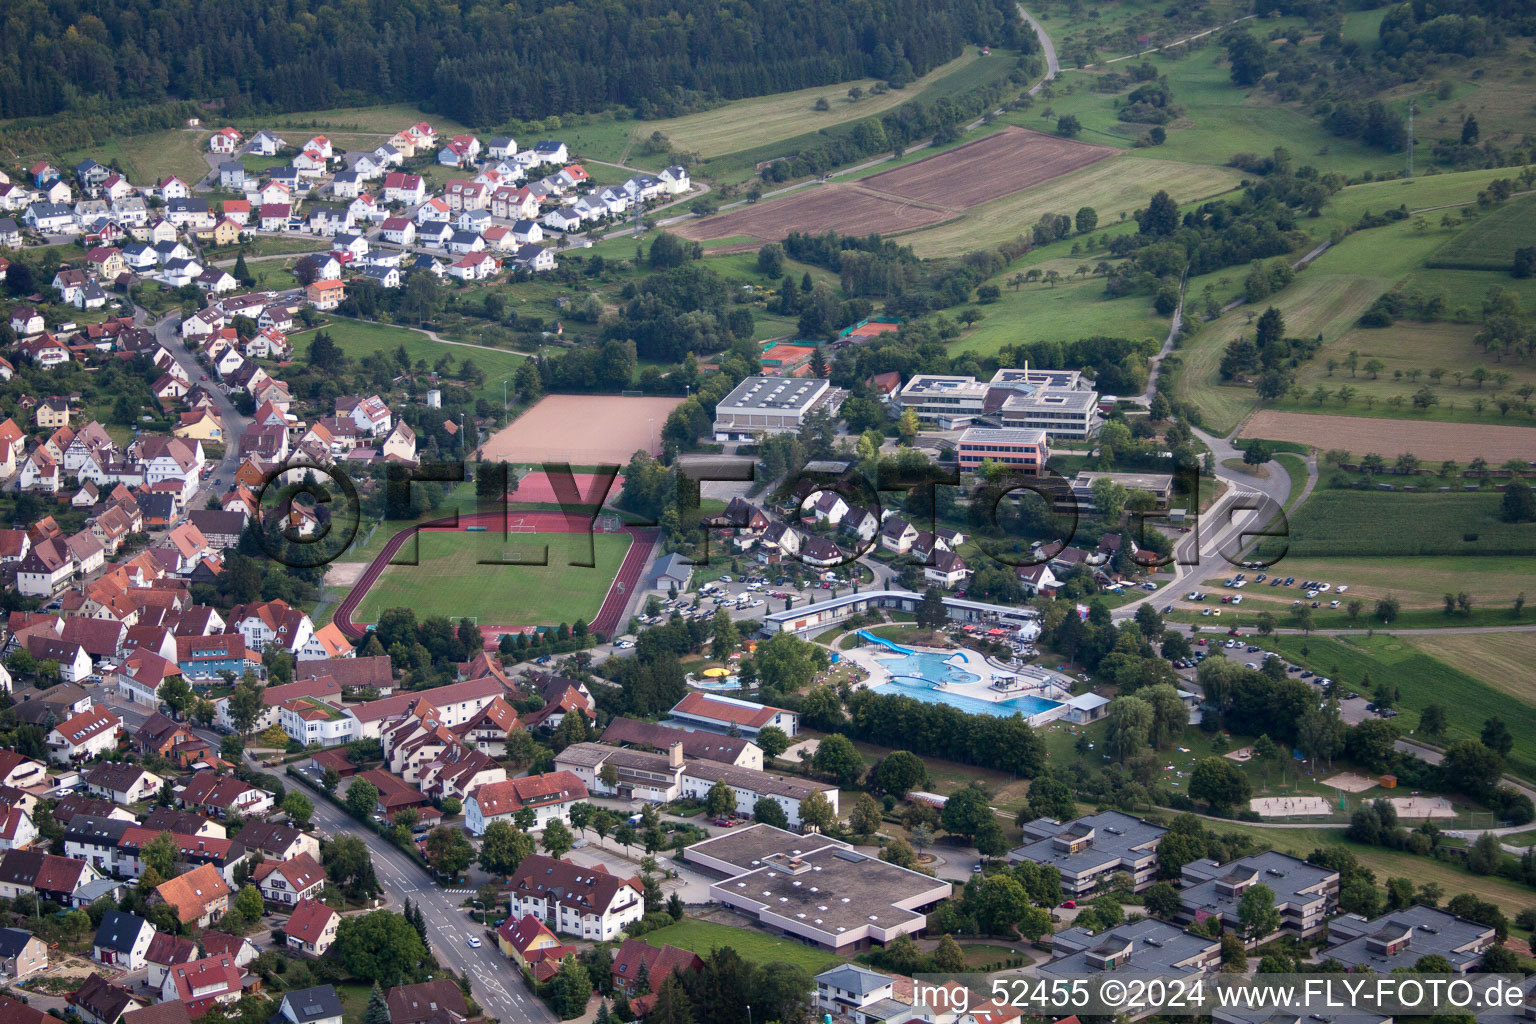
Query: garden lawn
449	579
1422	680
752	945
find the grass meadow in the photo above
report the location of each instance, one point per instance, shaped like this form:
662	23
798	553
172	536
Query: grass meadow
1490	242
149	157
1346	523
750	123
358	338
1502	660
450	579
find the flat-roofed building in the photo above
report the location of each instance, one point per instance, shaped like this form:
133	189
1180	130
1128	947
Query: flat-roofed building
1159	485
773	405
1305	894
1089	849
1022	450
1148	945
1060	412
1399	938
817	889
944	400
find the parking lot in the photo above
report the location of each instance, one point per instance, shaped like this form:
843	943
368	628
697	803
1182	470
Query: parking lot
746	597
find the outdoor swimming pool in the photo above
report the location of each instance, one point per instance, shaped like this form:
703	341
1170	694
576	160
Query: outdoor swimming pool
918	675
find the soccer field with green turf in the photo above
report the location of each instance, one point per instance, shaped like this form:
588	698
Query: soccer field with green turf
451	580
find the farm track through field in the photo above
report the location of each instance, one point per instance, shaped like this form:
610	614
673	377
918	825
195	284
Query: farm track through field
643	541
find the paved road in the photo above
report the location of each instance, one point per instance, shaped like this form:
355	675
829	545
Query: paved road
1048	48
168	333
496	986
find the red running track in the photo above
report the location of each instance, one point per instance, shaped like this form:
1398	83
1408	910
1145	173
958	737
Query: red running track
608	616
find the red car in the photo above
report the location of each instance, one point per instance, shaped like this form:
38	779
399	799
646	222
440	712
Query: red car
1204	641
1069	904
725	823
1234	631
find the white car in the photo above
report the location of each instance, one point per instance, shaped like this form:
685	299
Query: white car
473	942
1343	588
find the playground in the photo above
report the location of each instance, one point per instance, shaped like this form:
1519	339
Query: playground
504	571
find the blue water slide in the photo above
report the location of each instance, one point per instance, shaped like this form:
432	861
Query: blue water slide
865	634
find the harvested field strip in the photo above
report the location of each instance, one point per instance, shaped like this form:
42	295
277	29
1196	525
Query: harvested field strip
988	168
841	208
1111	187
1429	441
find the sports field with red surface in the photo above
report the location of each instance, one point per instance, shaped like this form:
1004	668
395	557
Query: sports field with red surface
452	576
584	430
583	489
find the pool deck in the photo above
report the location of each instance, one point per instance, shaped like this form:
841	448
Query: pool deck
1049	687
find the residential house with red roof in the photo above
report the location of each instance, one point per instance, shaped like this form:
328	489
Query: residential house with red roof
549	796
529	943
718	713
202	984
223	795
571	899
84	736
289	881
637	959
166	951
311	928
199	896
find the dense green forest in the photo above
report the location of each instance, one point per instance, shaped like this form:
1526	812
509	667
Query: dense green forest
481	61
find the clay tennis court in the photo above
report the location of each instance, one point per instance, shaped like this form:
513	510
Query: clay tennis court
590	489
989	168
1389	438
583	430
842	208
